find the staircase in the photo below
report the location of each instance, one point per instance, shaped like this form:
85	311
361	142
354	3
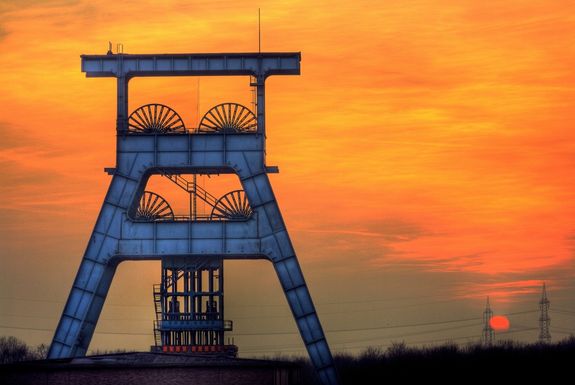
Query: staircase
190	187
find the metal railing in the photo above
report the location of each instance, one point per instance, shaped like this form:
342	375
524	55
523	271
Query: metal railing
188	218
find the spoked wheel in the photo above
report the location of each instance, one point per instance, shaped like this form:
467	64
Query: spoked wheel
228	117
153	208
155	119
233	205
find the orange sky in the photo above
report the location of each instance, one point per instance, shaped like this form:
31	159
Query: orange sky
426	154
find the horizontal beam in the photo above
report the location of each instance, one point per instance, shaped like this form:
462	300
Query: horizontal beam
210	64
167	325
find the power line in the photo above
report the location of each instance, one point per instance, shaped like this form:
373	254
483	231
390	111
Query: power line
469	337
382	309
149	334
52	330
563	309
443	340
56	318
235	318
378	338
476	337
282	347
527	329
387	327
407	325
61	302
560	311
273	305
521	312
260	305
283	306
562	330
286	314
287	333
369	328
426	332
411	335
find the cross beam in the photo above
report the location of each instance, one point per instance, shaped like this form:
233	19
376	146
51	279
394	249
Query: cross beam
204	64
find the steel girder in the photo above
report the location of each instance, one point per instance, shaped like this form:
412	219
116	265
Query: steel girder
258	64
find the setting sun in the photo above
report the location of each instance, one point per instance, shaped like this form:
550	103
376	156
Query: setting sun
499	323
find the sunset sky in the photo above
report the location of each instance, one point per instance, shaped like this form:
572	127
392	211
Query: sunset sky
426	159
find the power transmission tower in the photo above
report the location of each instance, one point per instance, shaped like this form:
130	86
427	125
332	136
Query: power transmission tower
487	336
544	320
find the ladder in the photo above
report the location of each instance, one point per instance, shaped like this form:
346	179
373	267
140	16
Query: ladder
158	310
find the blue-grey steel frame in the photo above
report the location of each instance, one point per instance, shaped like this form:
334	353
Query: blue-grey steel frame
116	237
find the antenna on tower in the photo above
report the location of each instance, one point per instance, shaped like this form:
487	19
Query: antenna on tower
487	336
544	320
259	32
198	101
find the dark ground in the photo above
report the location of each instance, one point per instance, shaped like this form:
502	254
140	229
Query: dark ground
505	363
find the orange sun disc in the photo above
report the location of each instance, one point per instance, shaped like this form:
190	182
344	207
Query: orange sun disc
499	323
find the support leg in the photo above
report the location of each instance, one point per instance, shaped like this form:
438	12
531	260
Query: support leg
81	313
301	305
277	246
94	276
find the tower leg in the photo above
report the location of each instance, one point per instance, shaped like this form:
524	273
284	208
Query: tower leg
94	276
277	246
301	305
82	309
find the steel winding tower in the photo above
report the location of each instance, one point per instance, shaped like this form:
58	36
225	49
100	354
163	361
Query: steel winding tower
133	226
544	319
